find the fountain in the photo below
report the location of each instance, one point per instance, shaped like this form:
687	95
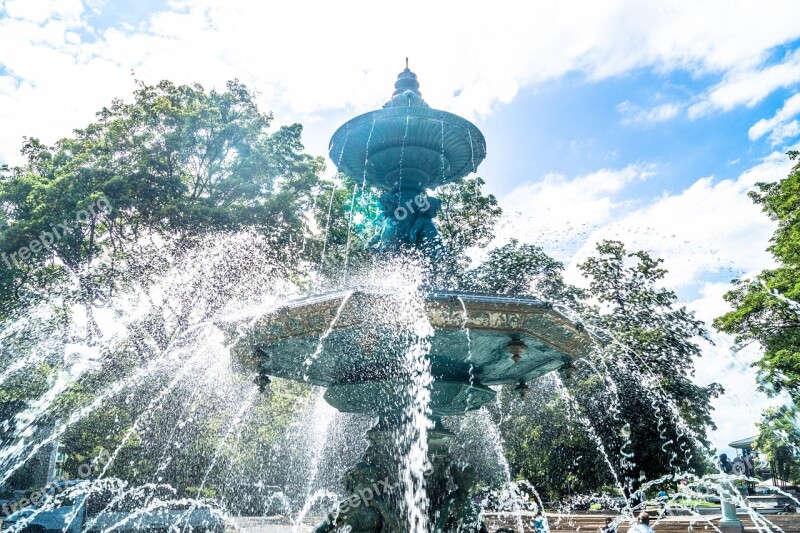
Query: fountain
412	354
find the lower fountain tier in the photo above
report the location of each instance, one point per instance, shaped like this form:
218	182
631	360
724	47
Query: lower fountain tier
383	398
361	345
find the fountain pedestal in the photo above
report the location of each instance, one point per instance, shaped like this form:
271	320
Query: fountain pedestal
375	489
729	522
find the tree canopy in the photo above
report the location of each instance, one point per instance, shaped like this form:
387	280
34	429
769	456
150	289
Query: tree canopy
174	165
631	410
779	440
766	309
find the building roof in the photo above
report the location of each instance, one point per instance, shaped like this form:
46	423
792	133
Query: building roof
743	443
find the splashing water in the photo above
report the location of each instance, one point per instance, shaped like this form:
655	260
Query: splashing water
465	329
183	388
414	437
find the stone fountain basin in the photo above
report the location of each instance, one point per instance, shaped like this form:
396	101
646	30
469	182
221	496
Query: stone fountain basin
357	344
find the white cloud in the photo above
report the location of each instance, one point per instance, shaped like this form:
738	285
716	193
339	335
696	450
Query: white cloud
311	56
712	228
558	213
784	132
38	11
780	126
749	86
633	114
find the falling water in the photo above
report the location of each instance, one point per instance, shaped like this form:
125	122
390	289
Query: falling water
465	329
442	155
471	151
327	225
330	204
494	439
320	343
411	438
233	430
415	439
353	201
590	430
322	416
403	153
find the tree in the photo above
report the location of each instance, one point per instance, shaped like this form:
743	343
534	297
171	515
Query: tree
633	400
466	221
203	201
766	309
654	414
173	166
346	217
519	269
546	445
779	439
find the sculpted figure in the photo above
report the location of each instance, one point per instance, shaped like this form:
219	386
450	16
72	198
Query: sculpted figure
424	230
458	513
366	510
388	232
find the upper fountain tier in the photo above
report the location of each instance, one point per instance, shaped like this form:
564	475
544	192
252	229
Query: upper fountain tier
407	145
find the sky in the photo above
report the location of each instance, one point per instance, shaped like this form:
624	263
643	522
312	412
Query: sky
643	121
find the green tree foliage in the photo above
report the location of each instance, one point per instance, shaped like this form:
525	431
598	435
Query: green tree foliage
176	164
15	394
346	219
195	181
779	439
766	309
547	445
654	411
634	393
518	269
466	221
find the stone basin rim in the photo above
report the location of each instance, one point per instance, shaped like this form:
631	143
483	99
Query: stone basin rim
392	112
431	295
434	300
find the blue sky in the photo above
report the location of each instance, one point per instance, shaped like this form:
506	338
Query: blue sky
642	121
573	126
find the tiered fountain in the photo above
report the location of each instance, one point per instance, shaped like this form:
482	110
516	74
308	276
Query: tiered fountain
409	358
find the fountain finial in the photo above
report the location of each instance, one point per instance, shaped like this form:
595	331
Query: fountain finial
406	91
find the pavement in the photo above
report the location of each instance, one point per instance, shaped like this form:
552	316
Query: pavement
566	523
